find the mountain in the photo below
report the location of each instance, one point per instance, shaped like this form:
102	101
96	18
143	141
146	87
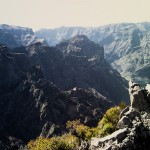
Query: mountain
43	87
32	106
80	45
72	64
126	45
15	36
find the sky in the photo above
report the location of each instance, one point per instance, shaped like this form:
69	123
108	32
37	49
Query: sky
88	13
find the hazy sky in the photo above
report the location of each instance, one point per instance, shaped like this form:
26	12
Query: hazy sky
55	13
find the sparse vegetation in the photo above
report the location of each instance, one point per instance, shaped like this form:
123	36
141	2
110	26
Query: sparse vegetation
109	122
64	142
82	131
79	132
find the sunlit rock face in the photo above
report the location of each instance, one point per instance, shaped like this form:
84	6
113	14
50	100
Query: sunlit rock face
133	127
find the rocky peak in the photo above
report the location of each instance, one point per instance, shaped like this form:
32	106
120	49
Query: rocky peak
80	45
35	48
133	127
139	97
68	71
15	36
10	27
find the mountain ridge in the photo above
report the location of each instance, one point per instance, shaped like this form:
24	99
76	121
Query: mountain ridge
120	41
16	36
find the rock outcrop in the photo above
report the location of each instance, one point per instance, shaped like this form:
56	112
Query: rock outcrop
133	127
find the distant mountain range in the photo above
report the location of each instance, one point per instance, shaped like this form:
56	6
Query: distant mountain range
15	36
127	45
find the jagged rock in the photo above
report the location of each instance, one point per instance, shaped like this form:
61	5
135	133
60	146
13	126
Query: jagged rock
137	97
132	113
124	122
32	105
35	107
80	45
124	111
148	87
134	126
107	143
84	145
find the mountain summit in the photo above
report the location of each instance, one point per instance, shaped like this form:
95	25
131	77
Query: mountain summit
80	45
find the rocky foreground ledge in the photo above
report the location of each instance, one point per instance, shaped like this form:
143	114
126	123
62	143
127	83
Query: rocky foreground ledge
133	127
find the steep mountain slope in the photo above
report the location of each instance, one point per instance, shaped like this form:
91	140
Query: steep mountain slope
15	36
78	67
42	87
127	45
32	106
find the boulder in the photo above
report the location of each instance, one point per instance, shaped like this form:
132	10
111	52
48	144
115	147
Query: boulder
137	97
124	122
107	142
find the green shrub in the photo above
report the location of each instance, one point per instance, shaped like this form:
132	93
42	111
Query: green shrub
109	121
64	142
79	132
106	125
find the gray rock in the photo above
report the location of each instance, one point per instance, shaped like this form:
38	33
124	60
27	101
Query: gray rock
133	113
134	126
124	111
104	143
137	97
124	122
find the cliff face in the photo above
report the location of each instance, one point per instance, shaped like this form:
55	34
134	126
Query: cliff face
133	127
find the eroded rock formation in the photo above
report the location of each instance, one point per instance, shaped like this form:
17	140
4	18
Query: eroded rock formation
133	127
